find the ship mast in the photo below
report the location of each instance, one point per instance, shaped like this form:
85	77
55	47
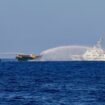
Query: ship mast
99	43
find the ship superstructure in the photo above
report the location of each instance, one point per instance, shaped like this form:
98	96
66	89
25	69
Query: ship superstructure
96	53
24	57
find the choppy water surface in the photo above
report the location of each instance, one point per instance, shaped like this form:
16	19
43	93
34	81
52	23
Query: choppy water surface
52	83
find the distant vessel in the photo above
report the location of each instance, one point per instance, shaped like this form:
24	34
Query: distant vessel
96	53
24	57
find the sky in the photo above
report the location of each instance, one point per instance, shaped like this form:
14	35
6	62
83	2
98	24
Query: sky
37	25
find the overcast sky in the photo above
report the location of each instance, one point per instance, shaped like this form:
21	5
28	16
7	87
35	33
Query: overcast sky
37	25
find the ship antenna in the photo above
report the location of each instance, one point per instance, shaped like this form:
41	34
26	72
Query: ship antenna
99	43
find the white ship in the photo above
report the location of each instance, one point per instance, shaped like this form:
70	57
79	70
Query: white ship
96	53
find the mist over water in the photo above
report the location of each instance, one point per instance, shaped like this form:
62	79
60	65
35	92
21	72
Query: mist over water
63	53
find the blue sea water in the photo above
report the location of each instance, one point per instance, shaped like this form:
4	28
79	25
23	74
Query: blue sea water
52	83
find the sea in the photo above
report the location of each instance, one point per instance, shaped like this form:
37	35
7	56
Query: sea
52	83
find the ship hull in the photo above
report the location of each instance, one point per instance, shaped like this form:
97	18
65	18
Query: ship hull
22	57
